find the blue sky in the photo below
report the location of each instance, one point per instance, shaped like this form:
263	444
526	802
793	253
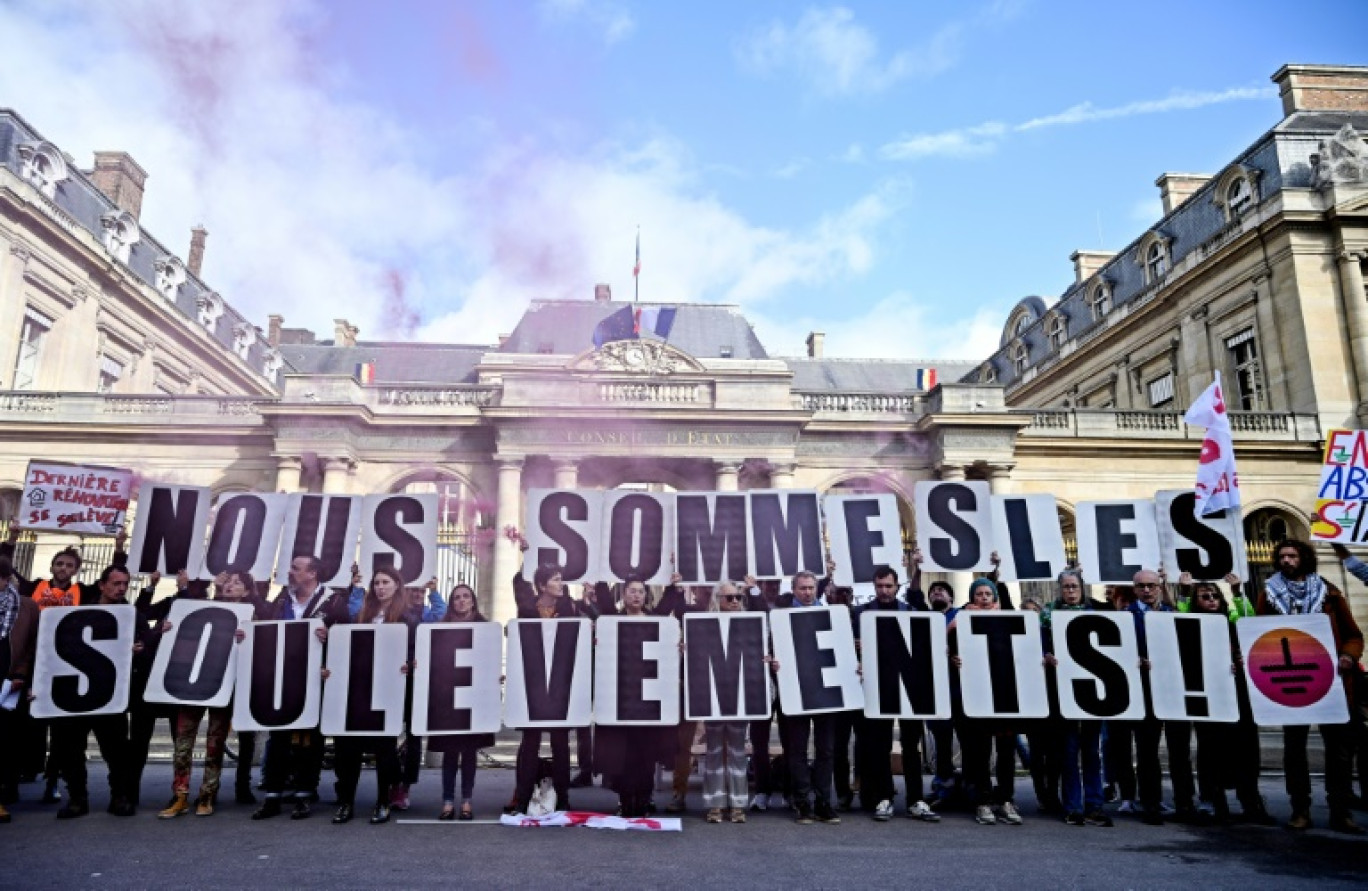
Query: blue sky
897	174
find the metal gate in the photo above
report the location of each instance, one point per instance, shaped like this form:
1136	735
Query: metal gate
457	558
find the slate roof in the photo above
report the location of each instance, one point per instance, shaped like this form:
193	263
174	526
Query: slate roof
395	363
702	330
870	375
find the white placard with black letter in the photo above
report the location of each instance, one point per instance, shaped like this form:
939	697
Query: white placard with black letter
168	535
1293	670
399	531
279	676
364	693
549	667
565	529
83	661
818	666
245	534
1116	539
865	532
1099	666
458	686
1027	537
712	538
196	662
905	671
638	537
1001	675
325	527
1208	547
1190	667
785	533
636	670
726	677
954	525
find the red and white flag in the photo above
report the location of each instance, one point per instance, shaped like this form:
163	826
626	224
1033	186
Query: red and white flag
595	821
1218	485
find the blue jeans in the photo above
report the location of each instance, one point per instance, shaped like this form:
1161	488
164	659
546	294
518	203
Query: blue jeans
1082	789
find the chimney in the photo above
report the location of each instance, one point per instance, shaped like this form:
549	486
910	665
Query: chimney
344	333
273	325
195	261
1175	188
815	341
503	339
1322	88
602	293
1086	263
121	179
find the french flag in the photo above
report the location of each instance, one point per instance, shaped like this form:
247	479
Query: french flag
926	378
657	320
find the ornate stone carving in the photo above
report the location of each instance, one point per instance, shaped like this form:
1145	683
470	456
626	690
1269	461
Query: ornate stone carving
121	232
170	274
1343	158
637	357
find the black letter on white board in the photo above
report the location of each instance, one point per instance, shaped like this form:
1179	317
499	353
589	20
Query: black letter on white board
1002	658
390	518
445	677
941	504
102	675
862	540
294	686
548	700
556	509
1115	697
185	647
812	658
736	667
634	669
801	532
622	522
1112	543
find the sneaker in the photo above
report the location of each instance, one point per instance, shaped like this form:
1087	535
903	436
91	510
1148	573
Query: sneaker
676	805
984	814
714	815
804	813
1074	818
1008	813
883	810
738	815
1128	807
1098	818
758	802
778	801
920	810
825	814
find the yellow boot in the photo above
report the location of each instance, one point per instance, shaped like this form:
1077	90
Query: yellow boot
204	805
180	804
4	814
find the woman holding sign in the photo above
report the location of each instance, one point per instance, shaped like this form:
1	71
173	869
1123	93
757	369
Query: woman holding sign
384	604
460	751
979	736
724	763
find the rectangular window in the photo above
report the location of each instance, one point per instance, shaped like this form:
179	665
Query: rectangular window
1248	373
111	372
31	338
1161	391
724	351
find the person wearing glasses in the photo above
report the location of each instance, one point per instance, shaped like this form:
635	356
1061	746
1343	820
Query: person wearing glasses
1177	735
724	759
1227	753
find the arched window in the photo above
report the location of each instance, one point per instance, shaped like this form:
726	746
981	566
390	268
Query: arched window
1156	262
988	374
121	232
1239	198
1100	301
42	166
1021	357
1057	328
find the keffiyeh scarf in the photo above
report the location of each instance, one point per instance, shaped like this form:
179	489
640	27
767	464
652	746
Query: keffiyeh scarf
9	609
1291	598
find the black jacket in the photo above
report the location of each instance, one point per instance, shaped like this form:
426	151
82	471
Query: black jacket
90	592
525	596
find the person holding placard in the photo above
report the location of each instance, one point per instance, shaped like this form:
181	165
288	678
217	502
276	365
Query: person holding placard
545	598
1297	589
724	760
416	611
384	604
460	751
18	637
1228	754
762	597
811	781
294	758
980	736
1081	740
674	601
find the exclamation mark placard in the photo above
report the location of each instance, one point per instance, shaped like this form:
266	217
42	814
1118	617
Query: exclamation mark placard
1189	631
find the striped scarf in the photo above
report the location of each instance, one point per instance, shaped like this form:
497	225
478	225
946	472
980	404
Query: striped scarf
9	609
1291	598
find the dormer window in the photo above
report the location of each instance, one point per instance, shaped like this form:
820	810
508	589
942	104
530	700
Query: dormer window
42	166
170	276
1099	301
1153	256
1239	198
272	363
244	336
1020	356
1057	329
1156	262
208	308
1237	191
121	232
988	374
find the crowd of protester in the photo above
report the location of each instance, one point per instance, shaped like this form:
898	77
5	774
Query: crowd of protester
1082	772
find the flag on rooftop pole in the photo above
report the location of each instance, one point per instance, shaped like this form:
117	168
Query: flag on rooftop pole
636	270
1218	485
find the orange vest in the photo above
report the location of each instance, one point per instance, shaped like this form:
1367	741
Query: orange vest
46	595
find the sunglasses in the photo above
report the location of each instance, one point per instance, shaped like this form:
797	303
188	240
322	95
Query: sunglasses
733	598
1208	597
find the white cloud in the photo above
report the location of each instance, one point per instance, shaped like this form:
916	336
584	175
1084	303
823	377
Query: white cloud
320	208
612	19
1146	210
899	326
985	138
792	168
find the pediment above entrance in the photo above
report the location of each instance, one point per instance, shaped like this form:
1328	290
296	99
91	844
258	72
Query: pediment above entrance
648	357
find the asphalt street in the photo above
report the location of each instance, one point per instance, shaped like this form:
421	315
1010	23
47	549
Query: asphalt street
229	850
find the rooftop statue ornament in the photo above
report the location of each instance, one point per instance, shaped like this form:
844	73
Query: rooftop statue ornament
1343	158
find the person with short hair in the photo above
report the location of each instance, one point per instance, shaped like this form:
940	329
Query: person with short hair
421	605
1295	589
763	596
811	781
460	751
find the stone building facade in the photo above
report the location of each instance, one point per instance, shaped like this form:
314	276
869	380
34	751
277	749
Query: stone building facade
113	350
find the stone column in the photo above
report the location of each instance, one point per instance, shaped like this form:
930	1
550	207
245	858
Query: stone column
727	474
999	483
959	581
507	557
781	476
287	473
1356	316
336	475
567	473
